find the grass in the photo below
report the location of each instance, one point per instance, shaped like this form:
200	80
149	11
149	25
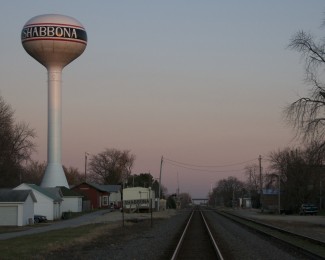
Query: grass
34	246
8	229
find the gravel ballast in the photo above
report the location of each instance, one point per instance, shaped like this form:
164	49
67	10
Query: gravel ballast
136	240
139	240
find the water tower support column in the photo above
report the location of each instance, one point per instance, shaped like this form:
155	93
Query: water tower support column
54	172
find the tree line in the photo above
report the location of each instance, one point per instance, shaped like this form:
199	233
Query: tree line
17	144
111	166
297	172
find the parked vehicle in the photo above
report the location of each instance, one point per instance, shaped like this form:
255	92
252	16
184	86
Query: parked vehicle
114	206
39	219
308	209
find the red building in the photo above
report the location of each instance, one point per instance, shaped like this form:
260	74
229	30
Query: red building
95	195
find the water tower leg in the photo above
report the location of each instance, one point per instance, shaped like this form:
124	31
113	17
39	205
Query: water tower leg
54	174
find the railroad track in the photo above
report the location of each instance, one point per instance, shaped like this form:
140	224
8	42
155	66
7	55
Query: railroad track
197	241
312	248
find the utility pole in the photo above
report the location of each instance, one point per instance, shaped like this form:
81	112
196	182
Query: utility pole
320	189
122	202
86	166
161	163
279	193
177	186
261	182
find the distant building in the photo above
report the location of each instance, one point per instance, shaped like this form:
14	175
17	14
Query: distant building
245	203
138	198
270	200
97	196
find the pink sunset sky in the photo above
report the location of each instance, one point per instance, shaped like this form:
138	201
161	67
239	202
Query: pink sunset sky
198	82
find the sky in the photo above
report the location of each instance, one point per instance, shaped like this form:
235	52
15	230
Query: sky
202	83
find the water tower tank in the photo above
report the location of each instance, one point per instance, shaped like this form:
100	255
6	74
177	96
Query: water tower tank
54	41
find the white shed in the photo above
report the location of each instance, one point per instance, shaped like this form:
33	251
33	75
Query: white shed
72	201
16	207
48	203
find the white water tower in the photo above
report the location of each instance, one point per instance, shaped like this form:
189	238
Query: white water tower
54	40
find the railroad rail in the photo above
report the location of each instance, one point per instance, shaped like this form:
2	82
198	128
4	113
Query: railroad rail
197	241
315	249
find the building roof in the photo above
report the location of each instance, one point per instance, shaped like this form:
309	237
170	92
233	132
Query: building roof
49	192
69	193
102	187
108	188
55	191
270	191
15	195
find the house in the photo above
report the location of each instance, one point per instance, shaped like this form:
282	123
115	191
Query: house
97	195
48	200
16	207
114	194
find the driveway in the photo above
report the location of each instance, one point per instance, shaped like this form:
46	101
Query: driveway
89	218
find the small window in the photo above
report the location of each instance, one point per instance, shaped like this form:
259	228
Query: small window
105	200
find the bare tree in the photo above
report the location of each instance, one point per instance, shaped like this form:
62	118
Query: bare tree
16	146
6	123
253	183
73	175
298	175
307	114
22	145
33	172
111	166
140	180
226	191
253	177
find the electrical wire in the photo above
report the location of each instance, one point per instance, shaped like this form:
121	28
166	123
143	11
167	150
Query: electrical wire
202	170
209	166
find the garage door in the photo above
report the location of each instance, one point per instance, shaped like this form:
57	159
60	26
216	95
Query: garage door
8	216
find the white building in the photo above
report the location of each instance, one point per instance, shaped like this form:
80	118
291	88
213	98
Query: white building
138	198
16	207
48	202
72	201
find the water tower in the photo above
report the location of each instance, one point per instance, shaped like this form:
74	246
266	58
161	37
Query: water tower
54	41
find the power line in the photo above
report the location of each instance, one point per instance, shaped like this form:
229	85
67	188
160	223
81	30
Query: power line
201	170
209	166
